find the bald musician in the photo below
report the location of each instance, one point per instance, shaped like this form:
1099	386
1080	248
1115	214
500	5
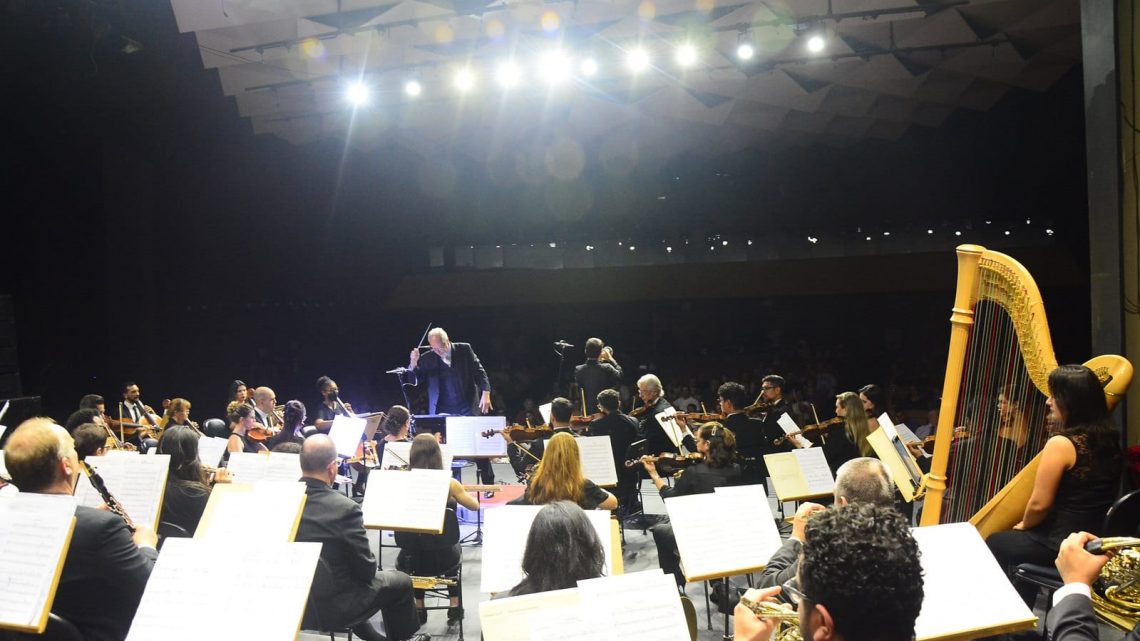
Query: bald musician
107	567
264	404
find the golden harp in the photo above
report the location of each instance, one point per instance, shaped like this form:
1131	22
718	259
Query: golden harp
997	372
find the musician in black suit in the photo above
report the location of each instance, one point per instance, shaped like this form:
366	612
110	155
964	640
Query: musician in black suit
751	442
107	567
457	383
1072	617
354	591
656	440
772	393
622	431
600	371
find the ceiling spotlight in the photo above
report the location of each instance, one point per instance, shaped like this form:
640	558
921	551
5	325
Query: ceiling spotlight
554	67
957	233
686	55
744	51
413	88
358	94
465	80
1048	232
638	60
589	67
816	44
930	231
508	75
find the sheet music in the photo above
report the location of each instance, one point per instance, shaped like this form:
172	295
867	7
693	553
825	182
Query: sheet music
464	434
801	473
816	472
787	424
908	436
738	518
907	459
181	601
138	482
247	467
888	426
397	454
567	623
265	511
35	530
211	449
544	410
641	605
503	619
346	432
597	457
672	427
406	500
964	589
504	539
283	467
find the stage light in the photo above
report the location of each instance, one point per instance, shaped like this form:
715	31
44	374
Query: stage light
1007	232
508	75
554	67
816	44
930	231
886	233
554	245
868	238
637	60
813	240
358	94
1048	232
957	233
744	51
669	250
465	80
724	242
631	248
413	88
589	67
686	55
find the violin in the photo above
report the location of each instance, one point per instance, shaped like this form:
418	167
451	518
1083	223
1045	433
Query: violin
667	462
699	417
260	433
928	442
585	420
809	430
522	432
761	405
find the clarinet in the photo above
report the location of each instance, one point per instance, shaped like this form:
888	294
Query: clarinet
108	498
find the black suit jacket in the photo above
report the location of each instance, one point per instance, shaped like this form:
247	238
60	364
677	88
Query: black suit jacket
783	565
1073	619
592	377
656	440
464	362
103	576
622	431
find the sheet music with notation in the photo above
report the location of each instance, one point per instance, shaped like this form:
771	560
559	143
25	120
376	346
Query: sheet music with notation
138	482
738	518
396	455
248	467
597	457
464	434
346	432
509	619
210	450
504	538
184	602
406	500
35	531
671	427
966	595
800	474
265	511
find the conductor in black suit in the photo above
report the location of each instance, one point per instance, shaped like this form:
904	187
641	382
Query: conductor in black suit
1072	617
457	383
352	591
107	567
600	371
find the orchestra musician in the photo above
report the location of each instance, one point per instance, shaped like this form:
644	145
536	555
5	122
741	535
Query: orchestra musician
457	383
656	440
265	406
241	422
561	411
622	430
849	440
292	427
395	427
752	442
239	393
96	402
90	440
330	406
559	478
177	414
81	417
134	411
562	548
874	404
600	371
188	482
717	444
772	395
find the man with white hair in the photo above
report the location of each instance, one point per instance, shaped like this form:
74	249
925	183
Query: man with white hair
657	441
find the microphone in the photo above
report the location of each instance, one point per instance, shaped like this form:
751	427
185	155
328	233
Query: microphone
562	344
398	370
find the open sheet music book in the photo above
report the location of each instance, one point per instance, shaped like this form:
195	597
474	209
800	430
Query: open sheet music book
183	600
406	500
262	512
138	482
464	435
800	474
397	453
504	538
893	453
738	518
211	449
966	595
597	457
35	532
248	467
642	605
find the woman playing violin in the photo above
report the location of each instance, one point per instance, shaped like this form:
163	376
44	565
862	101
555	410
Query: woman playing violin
844	442
241	427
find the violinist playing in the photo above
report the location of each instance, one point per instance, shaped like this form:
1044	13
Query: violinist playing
560	414
752	441
243	430
622	431
841	442
558	477
718	445
656	440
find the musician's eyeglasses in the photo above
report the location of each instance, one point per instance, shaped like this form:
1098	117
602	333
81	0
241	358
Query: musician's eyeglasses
791	588
766	387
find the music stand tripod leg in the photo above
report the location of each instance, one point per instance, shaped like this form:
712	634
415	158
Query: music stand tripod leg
476	537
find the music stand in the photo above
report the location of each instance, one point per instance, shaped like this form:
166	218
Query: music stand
635	451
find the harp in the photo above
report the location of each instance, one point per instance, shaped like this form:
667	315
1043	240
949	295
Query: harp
997	372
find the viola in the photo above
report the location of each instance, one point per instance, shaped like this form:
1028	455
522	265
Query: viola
668	463
522	432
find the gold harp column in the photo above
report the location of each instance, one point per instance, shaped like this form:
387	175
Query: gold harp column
961	322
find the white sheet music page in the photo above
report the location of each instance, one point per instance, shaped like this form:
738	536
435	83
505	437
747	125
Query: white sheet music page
34	532
817	474
597	457
964	589
544	410
888	426
504	539
509	619
787	424
181	601
397	453
138	482
211	449
283	467
641	605
671	426
908	436
265	511
738	518
346	432
248	467
406	500
465	435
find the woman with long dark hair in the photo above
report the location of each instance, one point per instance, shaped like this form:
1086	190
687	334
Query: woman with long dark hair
562	548
293	419
874	404
188	482
395	427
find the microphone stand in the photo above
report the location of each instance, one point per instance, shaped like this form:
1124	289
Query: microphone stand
560	352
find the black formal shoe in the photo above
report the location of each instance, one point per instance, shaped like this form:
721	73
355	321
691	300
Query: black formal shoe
724	597
365	631
423	636
488	495
454	615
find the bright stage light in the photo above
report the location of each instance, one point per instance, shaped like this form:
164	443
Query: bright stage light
589	67
638	60
465	80
554	67
745	51
413	88
357	94
816	44
508	75
686	55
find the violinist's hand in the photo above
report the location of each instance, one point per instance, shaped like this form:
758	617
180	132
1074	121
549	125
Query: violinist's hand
1020	525
485	402
749	627
799	521
144	537
506	436
915	449
414	358
650	467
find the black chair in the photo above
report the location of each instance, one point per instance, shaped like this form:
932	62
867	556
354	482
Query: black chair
429	544
58	629
166	530
216	427
322	589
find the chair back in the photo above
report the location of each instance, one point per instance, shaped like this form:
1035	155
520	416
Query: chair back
216	427
1123	518
167	529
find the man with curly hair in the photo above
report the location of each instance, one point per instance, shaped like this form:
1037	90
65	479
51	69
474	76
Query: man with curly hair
859	580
